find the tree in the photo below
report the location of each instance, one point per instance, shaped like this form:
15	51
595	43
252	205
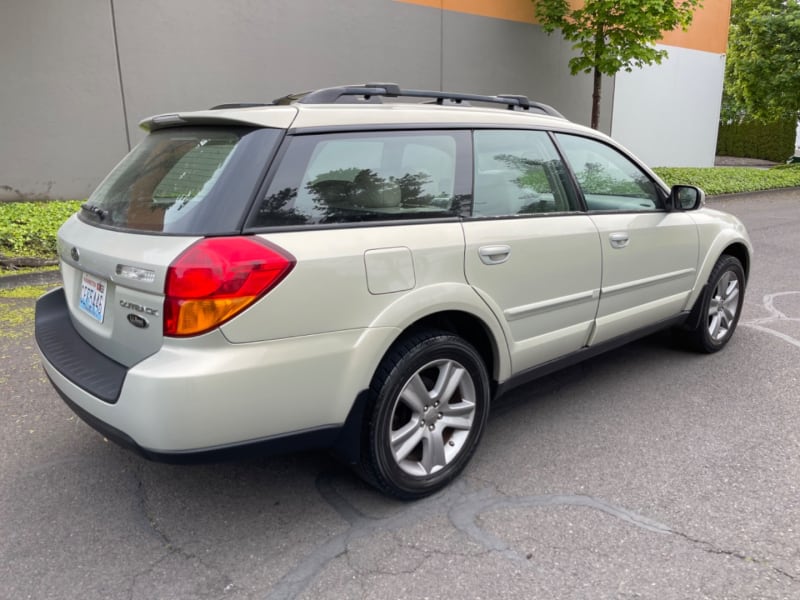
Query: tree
762	74
614	35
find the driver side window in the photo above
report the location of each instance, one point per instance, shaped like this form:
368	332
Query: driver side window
608	179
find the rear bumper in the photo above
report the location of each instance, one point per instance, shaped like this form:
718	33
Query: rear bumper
337	438
70	354
205	397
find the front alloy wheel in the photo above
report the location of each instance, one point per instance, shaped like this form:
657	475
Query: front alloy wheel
719	307
723	309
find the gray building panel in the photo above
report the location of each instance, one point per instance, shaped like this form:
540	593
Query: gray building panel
497	56
61	124
193	54
79	76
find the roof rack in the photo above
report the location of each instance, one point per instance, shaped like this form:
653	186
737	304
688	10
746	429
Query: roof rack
373	91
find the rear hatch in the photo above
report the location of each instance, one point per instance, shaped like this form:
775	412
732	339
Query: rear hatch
179	185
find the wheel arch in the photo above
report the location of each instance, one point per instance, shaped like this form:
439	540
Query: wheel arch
739	251
728	241
350	443
467	326
455	308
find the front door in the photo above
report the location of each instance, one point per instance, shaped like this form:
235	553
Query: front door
649	255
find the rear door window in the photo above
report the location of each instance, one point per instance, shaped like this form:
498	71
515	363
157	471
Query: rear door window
519	173
358	177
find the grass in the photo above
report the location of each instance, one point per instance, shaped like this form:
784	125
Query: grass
25	291
16	310
716	181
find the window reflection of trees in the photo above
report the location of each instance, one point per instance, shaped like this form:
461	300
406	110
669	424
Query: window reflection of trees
595	178
353	194
274	211
540	180
532	175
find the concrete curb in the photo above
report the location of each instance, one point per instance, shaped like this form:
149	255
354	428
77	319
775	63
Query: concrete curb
771	192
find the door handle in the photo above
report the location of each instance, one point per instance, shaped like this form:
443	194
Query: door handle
619	240
494	255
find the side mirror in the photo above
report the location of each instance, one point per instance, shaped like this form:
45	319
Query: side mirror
686	197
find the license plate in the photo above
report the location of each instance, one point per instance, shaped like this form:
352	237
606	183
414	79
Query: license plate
93	297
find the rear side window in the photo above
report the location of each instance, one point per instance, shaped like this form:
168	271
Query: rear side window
183	180
356	177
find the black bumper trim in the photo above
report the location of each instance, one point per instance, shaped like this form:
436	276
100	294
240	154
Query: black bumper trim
71	355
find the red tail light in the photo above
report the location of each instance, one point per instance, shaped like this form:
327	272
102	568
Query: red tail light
217	278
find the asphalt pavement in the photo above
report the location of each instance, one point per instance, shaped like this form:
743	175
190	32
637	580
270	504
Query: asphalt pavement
649	472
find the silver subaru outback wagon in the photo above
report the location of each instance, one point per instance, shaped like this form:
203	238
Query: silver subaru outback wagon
341	270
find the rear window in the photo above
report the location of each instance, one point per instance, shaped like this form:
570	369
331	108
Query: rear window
184	181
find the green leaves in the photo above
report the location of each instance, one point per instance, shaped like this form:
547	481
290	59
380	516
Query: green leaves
614	35
731	180
29	228
762	76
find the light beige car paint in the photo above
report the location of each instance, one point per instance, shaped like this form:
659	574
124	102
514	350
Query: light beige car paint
650	276
546	291
297	358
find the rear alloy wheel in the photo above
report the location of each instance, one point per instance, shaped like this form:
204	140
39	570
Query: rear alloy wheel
430	404
720	307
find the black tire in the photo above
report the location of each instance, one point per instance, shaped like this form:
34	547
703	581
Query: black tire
719	309
435	434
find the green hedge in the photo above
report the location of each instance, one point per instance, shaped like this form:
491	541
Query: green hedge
771	141
29	228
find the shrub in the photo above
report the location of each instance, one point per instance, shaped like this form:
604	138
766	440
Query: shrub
730	180
771	141
29	228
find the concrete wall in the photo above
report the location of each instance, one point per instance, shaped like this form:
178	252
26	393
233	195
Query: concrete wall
669	113
78	76
60	104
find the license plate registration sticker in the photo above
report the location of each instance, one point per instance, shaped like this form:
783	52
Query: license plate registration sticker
93	297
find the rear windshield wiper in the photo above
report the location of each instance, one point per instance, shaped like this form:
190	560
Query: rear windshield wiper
100	213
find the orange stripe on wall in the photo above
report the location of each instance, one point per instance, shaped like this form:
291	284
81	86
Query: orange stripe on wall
511	10
709	30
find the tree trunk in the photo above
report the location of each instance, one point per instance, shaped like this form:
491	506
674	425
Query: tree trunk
598	84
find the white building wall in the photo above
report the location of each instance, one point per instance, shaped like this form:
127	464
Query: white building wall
668	114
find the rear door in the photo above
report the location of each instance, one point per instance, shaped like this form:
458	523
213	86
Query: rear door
649	254
531	254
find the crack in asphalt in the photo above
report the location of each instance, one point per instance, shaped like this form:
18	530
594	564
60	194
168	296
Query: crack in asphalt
170	547
713	549
463	509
